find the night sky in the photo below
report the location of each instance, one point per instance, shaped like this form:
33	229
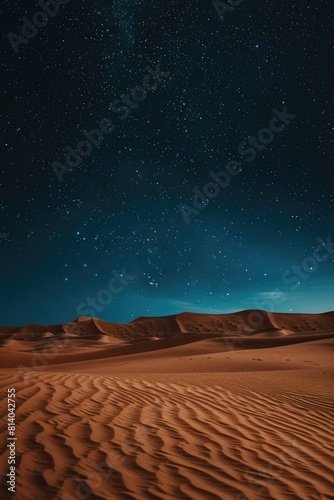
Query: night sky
124	234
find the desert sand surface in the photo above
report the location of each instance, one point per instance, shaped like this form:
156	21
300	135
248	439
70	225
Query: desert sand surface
190	406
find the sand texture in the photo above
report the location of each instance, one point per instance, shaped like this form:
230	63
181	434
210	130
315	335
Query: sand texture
191	406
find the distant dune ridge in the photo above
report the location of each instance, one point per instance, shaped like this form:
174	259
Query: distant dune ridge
189	406
244	323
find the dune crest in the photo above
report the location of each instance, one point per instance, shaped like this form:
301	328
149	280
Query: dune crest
243	323
189	406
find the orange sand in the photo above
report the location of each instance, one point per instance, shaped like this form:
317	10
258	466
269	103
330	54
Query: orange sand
190	406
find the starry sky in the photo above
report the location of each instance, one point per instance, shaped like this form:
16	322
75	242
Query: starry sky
118	235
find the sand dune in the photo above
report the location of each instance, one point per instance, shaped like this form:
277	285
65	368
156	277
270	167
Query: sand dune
248	321
191	406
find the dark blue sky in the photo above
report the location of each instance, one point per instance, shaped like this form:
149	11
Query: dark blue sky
111	239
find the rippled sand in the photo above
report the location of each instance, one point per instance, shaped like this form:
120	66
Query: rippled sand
201	419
